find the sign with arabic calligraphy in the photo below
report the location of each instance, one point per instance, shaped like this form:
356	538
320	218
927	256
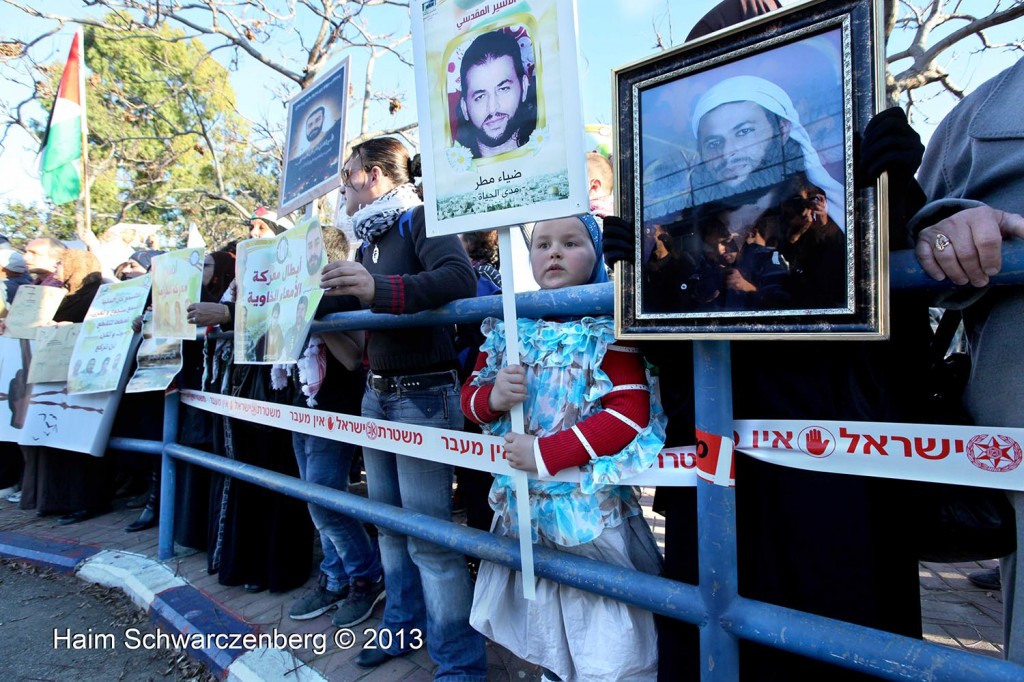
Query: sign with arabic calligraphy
177	280
102	347
501	124
278	293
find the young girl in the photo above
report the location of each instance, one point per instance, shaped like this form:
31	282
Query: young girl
588	402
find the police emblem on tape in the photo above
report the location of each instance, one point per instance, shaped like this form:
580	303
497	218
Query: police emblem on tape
994	453
371	431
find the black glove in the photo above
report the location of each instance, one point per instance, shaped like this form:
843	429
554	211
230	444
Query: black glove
619	241
889	144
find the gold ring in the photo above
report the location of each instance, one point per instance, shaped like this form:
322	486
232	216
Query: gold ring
941	242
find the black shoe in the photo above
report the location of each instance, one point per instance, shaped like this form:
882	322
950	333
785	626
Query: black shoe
986	580
77	517
147	519
253	588
371	658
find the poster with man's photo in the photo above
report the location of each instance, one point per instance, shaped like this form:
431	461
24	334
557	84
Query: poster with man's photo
106	340
501	124
177	280
278	293
316	135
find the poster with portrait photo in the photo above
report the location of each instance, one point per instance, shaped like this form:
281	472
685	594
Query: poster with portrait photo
177	283
106	339
501	124
736	168
278	293
316	135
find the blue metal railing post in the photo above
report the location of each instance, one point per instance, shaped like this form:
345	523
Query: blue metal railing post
167	477
716	509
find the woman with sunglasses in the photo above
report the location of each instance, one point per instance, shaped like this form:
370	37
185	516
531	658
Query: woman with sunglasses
412	379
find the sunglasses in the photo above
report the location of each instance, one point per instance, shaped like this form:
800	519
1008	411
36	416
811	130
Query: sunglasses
346	175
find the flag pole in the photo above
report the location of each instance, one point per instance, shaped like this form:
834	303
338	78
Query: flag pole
86	205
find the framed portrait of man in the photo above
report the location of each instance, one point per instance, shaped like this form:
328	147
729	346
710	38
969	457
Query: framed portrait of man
736	167
500	118
316	136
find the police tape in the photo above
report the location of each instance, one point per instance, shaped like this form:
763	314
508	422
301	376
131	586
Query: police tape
979	456
674	467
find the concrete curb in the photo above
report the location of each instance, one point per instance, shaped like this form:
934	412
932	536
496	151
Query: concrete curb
187	616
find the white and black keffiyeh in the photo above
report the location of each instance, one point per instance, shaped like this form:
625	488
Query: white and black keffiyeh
370	222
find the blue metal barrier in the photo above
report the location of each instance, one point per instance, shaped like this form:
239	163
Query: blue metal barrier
715	606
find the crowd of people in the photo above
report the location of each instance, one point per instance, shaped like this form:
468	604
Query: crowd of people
589	400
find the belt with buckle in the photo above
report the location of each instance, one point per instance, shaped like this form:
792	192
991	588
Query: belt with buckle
412	382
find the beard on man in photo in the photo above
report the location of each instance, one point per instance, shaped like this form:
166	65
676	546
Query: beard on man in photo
315	141
750	138
497	109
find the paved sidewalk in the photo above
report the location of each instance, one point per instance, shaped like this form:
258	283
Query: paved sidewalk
955	613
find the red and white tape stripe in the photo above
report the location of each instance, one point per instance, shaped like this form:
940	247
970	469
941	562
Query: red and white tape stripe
980	456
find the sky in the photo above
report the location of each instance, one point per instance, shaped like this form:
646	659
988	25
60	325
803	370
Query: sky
612	33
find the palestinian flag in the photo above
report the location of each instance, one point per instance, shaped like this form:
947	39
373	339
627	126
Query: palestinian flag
62	143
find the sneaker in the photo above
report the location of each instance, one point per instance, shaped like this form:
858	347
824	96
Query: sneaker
7	492
15	498
359	604
316	601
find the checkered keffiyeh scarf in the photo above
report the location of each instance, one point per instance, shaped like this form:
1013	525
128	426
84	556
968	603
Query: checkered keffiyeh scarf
370	222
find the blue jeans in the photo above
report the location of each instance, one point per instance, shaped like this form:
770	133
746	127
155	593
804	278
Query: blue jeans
426	584
349	553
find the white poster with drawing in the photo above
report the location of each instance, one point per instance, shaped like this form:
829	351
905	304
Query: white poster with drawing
80	423
15	356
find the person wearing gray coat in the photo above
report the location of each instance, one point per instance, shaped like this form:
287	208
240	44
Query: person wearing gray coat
973	176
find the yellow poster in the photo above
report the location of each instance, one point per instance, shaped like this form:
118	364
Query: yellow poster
103	344
278	293
177	281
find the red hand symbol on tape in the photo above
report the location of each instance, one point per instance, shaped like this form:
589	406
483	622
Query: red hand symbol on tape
815	444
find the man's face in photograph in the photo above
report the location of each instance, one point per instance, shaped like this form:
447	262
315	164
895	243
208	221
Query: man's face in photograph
314	124
735	139
491	97
314	250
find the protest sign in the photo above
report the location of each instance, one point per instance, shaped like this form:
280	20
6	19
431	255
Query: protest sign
15	358
316	135
158	361
501	124
33	305
177	280
51	356
103	344
278	293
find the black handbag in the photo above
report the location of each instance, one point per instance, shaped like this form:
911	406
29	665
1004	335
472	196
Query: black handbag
958	523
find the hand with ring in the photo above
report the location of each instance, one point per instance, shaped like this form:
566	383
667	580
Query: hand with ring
967	246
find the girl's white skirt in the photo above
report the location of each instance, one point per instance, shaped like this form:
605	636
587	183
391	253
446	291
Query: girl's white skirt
575	634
